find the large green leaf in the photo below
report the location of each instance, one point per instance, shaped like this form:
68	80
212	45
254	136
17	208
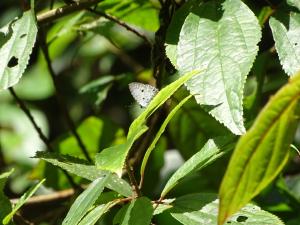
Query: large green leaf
4	201
16	48
287	42
295	3
200	209
107	159
211	151
262	152
85	201
172	36
86	170
22	201
224	46
139	212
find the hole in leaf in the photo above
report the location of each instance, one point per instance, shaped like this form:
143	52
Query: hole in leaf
241	218
12	62
23	35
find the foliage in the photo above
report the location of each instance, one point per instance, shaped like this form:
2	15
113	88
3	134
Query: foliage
229	85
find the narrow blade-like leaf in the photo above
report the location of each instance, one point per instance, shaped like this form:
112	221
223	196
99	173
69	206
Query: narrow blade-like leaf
86	170
262	152
4	201
95	214
139	212
22	201
85	201
160	132
211	151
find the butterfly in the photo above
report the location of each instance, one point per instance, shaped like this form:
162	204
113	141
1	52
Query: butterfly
142	93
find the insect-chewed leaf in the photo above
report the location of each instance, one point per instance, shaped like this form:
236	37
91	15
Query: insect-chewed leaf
142	93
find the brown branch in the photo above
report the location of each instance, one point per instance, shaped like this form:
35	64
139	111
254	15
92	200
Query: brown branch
30	117
60	98
121	23
133	182
39	131
57	13
53	197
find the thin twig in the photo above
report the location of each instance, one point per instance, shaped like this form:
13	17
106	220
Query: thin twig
57	13
30	117
39	131
60	99
123	24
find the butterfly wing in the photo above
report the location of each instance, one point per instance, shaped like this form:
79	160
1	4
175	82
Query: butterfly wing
142	93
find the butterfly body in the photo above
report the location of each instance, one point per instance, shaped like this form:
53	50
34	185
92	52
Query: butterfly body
142	93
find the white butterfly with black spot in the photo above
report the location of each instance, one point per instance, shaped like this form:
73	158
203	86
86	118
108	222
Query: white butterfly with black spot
142	93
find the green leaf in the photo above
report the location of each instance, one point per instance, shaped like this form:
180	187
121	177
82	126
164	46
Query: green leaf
98	89
290	185
22	201
172	36
96	133
295	3
107	159
85	201
195	209
262	152
139	212
95	214
287	42
4	201
224	46
86	170
211	151
113	158
20	35
192	121
159	133
162	96
138	13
